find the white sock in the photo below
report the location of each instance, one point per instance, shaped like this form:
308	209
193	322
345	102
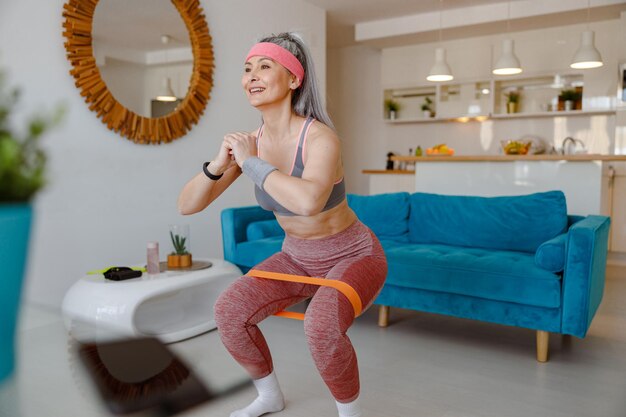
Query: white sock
351	409
270	398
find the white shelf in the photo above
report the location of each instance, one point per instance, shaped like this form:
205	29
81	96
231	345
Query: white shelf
480	118
459	119
554	114
487	96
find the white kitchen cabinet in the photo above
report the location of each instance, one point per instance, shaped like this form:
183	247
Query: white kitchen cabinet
591	187
580	181
391	183
615	204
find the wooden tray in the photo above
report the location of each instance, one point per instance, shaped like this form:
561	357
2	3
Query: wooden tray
195	266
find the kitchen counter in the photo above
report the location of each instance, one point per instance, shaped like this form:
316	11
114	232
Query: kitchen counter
592	183
490	158
388	171
507	158
579	176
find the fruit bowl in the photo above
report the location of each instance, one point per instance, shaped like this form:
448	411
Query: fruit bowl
516	147
440	150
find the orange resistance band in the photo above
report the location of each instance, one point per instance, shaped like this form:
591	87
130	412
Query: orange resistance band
342	287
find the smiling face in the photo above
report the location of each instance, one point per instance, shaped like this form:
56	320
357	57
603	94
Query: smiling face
265	81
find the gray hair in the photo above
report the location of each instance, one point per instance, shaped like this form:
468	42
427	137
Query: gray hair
306	100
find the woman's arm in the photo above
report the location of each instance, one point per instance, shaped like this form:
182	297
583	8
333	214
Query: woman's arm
304	196
308	195
201	191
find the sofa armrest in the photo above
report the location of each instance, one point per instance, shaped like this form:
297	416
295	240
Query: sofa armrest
550	255
583	278
234	223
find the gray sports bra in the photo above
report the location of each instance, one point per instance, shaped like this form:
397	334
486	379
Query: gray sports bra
337	195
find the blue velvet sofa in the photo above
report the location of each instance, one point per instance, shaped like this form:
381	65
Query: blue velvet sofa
519	261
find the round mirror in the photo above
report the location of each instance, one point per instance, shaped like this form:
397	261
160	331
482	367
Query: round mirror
143	53
145	67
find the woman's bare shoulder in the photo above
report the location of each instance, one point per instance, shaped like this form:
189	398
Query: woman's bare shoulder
322	134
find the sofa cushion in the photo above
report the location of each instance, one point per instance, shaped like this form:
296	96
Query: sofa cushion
251	253
386	214
493	275
519	223
550	255
262	229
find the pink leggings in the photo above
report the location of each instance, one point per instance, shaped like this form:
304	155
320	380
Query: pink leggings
353	256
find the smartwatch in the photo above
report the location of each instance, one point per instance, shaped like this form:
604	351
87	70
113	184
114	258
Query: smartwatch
208	174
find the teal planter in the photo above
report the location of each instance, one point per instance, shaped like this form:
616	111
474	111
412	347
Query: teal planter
15	220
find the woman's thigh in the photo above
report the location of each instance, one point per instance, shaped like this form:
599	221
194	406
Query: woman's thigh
365	274
253	299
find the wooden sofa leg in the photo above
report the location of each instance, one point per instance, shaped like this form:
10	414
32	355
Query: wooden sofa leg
383	316
543	339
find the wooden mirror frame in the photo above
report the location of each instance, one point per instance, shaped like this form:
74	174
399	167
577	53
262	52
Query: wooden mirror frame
78	25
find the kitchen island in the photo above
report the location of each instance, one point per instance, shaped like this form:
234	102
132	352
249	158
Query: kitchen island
592	184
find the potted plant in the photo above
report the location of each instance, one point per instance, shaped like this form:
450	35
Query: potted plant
392	108
569	97
22	175
427	110
180	257
512	101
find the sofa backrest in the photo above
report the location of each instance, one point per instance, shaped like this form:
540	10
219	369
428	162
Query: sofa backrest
386	214
519	223
263	229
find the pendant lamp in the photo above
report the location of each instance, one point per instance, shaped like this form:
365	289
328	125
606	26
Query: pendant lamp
440	71
508	64
166	93
587	56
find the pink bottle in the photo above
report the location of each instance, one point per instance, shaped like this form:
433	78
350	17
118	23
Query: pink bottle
153	258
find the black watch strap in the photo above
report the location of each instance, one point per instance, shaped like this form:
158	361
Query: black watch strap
208	174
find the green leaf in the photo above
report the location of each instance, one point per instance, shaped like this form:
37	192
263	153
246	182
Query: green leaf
179	243
22	160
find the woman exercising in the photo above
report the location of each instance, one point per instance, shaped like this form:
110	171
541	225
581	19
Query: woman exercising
294	159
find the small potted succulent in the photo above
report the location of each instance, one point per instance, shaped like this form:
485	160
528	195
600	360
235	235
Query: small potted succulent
427	109
180	257
392	107
512	101
569	97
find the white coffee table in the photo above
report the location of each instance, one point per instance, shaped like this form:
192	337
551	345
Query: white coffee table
171	306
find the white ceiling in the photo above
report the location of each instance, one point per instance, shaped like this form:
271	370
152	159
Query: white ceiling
139	24
378	16
356	11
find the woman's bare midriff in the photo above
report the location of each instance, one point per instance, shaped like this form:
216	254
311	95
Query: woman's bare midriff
326	223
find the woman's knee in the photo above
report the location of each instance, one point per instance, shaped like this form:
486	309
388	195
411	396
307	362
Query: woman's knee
228	307
324	325
320	334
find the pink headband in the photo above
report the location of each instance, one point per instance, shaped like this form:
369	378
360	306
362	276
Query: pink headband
280	55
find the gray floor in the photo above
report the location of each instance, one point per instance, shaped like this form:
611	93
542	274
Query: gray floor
436	366
422	365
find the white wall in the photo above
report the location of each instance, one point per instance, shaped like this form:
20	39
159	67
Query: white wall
125	80
354	97
540	52
107	196
545	51
136	85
